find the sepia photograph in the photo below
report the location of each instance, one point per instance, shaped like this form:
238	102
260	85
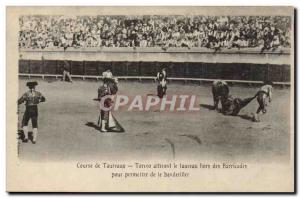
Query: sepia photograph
152	98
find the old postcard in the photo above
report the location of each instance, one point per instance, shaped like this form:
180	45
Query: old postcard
150	99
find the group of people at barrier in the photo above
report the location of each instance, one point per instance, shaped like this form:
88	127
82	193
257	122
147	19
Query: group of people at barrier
214	32
108	123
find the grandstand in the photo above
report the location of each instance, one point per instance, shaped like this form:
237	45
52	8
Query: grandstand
214	32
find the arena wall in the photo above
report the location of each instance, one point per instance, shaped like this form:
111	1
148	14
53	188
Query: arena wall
233	64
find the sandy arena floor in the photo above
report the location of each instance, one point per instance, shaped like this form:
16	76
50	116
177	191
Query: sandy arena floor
202	135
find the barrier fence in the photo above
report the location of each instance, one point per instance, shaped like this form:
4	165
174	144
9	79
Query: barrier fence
177	70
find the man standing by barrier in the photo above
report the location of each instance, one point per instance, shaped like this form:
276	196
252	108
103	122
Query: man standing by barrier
31	98
66	72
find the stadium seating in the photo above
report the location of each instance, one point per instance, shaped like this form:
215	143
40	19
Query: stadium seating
217	33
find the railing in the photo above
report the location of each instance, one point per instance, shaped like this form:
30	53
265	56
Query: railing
246	50
194	54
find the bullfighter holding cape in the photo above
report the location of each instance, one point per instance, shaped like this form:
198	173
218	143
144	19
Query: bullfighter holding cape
106	121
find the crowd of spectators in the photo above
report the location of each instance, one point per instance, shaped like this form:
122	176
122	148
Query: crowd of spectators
215	32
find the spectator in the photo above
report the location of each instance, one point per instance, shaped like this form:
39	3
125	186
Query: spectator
214	32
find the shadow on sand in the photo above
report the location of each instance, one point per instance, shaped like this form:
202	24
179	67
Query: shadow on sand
206	106
210	107
246	117
21	135
93	125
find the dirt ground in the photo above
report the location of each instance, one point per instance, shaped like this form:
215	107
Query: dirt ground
64	132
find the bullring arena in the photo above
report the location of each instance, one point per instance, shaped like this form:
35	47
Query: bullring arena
67	120
196	50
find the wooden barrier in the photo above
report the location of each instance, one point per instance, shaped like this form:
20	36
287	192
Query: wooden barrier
232	71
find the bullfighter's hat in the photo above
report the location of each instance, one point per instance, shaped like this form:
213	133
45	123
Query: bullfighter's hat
31	84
